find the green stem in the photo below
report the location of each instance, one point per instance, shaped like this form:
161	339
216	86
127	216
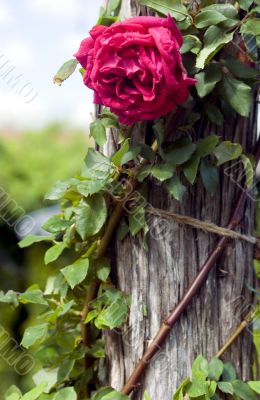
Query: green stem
235	335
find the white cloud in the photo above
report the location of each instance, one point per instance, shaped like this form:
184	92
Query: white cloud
18	53
6	17
57	8
67	9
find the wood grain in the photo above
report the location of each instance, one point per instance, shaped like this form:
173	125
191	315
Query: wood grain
157	279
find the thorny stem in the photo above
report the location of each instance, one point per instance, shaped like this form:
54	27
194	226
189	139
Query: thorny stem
199	280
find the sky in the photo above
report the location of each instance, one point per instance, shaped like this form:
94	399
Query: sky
36	38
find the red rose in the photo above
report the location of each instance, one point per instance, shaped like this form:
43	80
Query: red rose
135	67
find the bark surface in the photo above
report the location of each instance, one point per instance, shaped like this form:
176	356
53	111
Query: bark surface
157	279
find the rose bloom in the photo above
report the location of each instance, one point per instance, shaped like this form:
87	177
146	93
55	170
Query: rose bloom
135	67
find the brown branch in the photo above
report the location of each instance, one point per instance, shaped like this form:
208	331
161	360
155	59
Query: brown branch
200	279
92	292
102	249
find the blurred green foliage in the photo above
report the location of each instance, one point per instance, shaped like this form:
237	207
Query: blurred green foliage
31	162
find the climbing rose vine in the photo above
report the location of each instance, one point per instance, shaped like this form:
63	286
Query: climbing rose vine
135	67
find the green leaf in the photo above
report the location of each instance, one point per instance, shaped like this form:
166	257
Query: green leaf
255	386
91	315
98	132
251	26
113	316
227	151
65	369
214	114
229	373
30	239
117	157
178	395
207	145
212	388
91	215
64	308
237	94
56	224
59	189
206	18
245	4
200	368
143	172
165	7
113	7
88	187
147	153
66	394
65	71
207	79
243	390
122	230
102	268
137	221
10	297
76	272
109	122
214	40
97	166
48	376
190	169
33	295
107	393
239	69
13	393
228	10
35	392
215	369
34	334
163	171
197	388
107	21
106	113
225	387
54	252
191	43
209	175
176	188
179	152
249	170
133	152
